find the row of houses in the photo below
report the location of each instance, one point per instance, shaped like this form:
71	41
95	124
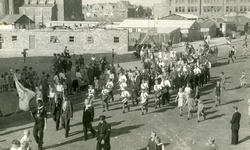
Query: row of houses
114	11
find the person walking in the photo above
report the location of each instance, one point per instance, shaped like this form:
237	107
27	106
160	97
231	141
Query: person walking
103	134
235	126
87	119
66	115
40	116
25	54
56	106
243	79
217	91
180	99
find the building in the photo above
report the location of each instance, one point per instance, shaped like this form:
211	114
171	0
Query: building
16	22
209	27
69	10
201	8
108	11
39	11
86	41
190	29
10	6
180	17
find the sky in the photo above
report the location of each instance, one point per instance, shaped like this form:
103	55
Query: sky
137	2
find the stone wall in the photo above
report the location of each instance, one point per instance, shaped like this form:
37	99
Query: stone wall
86	41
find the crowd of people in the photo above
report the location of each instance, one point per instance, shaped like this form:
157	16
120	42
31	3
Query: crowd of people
163	75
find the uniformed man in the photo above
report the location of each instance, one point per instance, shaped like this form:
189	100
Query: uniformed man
110	86
56	106
66	115
103	134
40	116
87	119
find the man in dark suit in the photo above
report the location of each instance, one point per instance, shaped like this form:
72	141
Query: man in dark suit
87	119
56	106
235	126
66	115
103	134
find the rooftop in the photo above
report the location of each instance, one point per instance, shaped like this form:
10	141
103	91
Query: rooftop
10	19
133	23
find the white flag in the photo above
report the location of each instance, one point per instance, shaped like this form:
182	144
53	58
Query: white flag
25	95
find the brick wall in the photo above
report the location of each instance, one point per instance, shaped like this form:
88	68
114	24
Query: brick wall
101	41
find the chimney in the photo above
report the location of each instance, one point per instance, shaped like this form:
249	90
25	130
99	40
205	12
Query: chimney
11	7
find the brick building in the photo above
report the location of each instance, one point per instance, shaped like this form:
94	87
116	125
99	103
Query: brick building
111	11
86	41
202	8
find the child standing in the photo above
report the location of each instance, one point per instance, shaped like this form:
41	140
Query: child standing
15	145
25	141
243	79
24	53
212	145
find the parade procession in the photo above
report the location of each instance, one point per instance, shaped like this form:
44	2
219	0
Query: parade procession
124	75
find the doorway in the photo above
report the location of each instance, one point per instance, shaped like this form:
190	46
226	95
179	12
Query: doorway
32	43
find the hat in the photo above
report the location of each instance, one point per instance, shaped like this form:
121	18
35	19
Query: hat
102	117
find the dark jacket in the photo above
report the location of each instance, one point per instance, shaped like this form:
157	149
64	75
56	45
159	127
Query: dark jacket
88	114
56	107
68	113
103	132
235	122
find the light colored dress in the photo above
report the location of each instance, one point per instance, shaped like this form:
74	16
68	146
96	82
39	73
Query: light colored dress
181	96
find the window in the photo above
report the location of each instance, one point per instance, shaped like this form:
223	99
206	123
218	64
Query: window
235	8
241	8
195	9
71	39
179	9
183	9
116	39
189	9
227	9
245	8
54	39
248	8
14	38
90	39
231	8
176	9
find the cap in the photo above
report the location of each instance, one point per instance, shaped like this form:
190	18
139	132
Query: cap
102	117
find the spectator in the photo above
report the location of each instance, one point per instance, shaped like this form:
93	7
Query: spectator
25	54
212	145
15	145
6	79
2	83
151	143
25	141
81	61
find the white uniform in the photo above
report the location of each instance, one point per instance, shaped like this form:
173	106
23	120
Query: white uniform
144	97
144	86
125	95
109	85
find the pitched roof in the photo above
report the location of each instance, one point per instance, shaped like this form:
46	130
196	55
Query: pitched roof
207	23
131	23
113	4
10	19
189	16
241	20
127	4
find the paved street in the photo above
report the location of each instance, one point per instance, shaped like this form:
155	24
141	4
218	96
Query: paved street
131	131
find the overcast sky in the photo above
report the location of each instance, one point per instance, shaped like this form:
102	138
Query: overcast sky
137	2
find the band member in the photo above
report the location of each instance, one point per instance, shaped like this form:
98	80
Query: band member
217	91
125	96
144	101
40	116
103	134
144	85
104	98
66	115
158	93
56	106
87	119
165	90
109	87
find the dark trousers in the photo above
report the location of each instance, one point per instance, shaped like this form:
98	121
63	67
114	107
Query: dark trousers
56	118
165	97
87	126
104	146
105	103
111	95
38	133
45	95
135	97
65	124
235	137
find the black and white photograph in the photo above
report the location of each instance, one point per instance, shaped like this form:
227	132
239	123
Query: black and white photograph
124	74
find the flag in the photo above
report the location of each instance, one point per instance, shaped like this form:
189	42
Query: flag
25	95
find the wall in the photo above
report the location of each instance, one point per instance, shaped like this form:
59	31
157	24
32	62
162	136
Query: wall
103	40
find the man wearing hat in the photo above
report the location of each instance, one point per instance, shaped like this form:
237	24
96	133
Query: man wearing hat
235	126
87	119
66	115
103	134
40	116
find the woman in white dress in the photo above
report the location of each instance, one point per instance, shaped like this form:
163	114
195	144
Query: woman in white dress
180	99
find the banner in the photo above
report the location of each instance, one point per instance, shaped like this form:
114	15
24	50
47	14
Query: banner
25	95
